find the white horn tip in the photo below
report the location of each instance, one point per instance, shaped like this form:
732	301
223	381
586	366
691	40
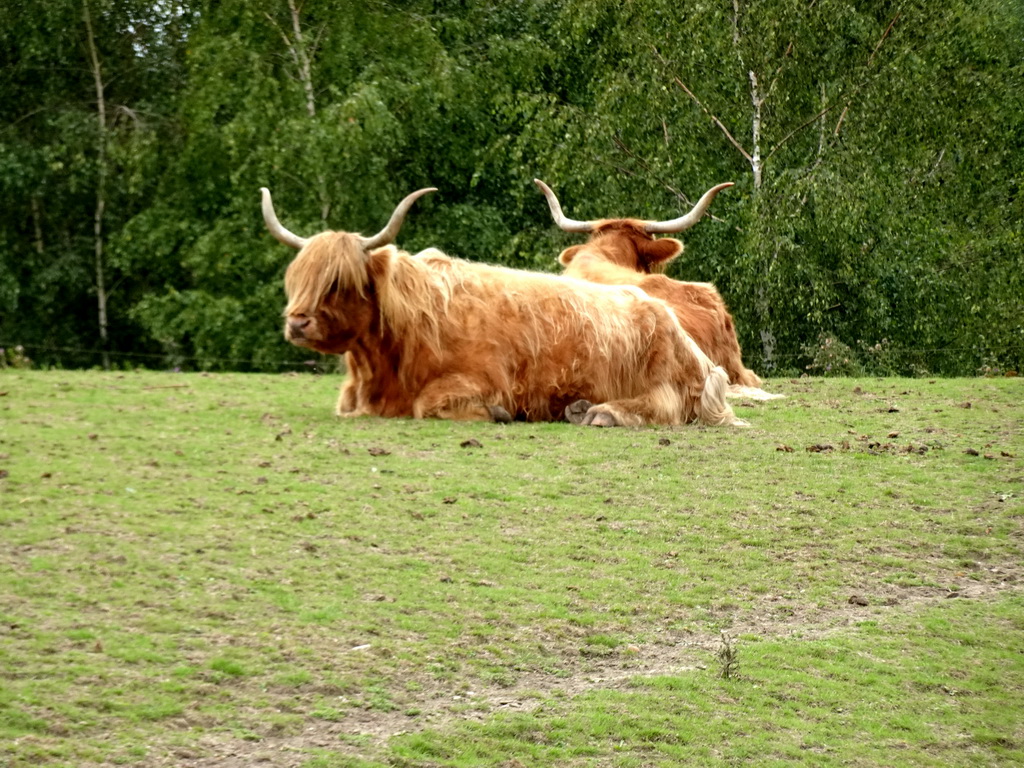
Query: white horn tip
420	193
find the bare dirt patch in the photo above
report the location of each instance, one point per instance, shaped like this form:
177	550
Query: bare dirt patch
363	733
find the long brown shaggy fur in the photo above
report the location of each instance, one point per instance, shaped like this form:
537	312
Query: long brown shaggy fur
429	335
621	253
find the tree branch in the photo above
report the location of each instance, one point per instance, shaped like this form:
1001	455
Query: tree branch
828	109
650	172
871	58
799	128
706	111
775	77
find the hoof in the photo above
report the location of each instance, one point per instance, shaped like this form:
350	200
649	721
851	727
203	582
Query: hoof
601	419
576	412
499	415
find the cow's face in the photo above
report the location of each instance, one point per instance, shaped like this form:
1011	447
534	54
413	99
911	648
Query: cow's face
334	326
624	243
330	303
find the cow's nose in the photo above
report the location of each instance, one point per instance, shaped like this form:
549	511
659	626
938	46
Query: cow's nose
296	325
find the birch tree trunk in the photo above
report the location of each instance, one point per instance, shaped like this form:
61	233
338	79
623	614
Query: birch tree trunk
299	50
755	130
101	186
37	226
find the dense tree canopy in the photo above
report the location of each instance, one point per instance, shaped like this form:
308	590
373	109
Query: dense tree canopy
875	225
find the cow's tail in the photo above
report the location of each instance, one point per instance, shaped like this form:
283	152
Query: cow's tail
751	393
746	383
713	408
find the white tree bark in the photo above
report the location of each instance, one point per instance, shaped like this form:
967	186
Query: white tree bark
101	185
301	57
755	130
299	50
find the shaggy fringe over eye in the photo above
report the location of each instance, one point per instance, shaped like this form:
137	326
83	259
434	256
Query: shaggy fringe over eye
329	260
413	292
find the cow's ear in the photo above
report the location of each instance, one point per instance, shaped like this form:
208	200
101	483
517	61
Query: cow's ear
568	254
659	252
378	264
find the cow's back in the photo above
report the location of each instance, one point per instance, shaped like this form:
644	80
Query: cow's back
540	342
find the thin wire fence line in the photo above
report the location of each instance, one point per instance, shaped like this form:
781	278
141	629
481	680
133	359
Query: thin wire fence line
175	359
167	357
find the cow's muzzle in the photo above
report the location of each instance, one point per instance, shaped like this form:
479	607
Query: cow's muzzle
295	328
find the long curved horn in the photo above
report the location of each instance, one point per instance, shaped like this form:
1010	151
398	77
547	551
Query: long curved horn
569	225
280	234
383	237
687	221
390	232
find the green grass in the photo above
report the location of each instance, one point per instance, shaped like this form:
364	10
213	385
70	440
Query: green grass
199	566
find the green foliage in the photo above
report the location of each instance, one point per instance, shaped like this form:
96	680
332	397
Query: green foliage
884	204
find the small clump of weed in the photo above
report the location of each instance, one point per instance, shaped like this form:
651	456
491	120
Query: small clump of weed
831	357
728	658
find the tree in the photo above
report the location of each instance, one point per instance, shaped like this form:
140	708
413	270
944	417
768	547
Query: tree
877	203
73	123
828	113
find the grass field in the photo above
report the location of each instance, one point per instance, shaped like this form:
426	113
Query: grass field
212	570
